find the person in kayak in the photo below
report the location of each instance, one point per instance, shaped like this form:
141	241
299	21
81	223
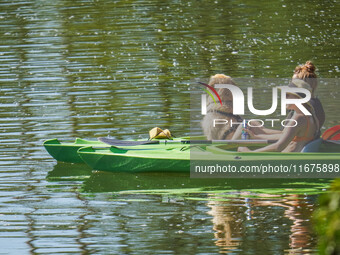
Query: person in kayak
294	138
306	73
224	111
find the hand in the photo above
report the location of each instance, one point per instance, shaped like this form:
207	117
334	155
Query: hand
243	149
251	133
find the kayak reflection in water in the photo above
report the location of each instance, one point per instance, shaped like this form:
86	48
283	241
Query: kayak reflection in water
291	139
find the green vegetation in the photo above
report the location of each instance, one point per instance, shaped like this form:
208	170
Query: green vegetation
327	220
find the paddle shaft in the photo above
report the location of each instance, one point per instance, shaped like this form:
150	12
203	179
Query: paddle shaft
115	142
241	142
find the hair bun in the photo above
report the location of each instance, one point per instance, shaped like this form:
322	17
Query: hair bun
310	67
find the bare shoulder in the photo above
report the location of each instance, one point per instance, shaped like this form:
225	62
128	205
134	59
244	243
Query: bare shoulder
301	120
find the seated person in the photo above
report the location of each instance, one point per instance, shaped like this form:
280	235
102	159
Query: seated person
292	139
306	73
217	111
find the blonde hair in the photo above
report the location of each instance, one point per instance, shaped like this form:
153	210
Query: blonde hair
307	73
225	94
220	79
219	111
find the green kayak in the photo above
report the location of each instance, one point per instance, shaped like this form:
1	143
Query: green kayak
179	158
67	151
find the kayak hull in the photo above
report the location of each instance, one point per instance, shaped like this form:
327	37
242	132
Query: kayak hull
178	159
135	160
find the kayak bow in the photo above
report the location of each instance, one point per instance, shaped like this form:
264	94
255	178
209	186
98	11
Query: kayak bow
67	152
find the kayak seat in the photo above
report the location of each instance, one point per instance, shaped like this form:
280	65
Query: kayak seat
312	146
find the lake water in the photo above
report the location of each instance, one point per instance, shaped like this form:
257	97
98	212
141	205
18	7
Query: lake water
96	68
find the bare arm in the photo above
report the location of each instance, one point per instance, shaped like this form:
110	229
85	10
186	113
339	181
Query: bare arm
269	131
255	133
273	136
237	133
285	138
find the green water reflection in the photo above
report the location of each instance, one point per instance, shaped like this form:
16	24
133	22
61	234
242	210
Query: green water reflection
230	207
